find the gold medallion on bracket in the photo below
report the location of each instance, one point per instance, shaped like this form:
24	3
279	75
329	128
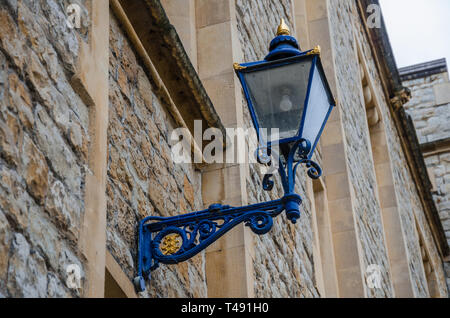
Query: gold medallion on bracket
171	244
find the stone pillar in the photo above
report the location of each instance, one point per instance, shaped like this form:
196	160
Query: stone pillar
301	24
319	34
314	21
324	259
392	225
340	204
91	80
398	258
181	14
229	264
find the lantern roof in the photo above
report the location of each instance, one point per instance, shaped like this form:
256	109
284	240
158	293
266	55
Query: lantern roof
283	45
288	90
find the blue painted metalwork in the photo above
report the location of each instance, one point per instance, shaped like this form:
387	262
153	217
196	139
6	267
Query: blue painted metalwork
283	46
305	109
198	230
171	240
295	58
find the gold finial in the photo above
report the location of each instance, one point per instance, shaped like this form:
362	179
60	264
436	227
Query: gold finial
315	51
238	67
283	29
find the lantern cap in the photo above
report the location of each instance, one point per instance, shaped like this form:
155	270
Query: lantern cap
283	45
283	29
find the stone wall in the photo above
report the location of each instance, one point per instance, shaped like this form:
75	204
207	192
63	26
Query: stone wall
142	178
283	264
431	119
344	24
44	140
275	261
43	149
410	208
440	168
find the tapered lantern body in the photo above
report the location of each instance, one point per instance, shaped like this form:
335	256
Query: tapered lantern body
288	95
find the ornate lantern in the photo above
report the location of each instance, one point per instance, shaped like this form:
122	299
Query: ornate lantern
287	91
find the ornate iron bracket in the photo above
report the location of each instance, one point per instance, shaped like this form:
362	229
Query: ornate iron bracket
171	240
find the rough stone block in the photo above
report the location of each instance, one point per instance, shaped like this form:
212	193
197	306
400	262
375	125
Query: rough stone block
5	240
35	170
56	150
64	209
442	93
27	273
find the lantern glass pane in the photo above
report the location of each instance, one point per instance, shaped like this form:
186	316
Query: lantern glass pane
278	97
317	108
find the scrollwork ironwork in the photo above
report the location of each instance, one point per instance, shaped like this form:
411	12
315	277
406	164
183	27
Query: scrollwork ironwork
171	240
267	182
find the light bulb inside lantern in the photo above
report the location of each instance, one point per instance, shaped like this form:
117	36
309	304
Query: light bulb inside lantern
286	103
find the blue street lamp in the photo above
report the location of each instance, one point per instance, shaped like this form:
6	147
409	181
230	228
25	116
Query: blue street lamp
287	91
